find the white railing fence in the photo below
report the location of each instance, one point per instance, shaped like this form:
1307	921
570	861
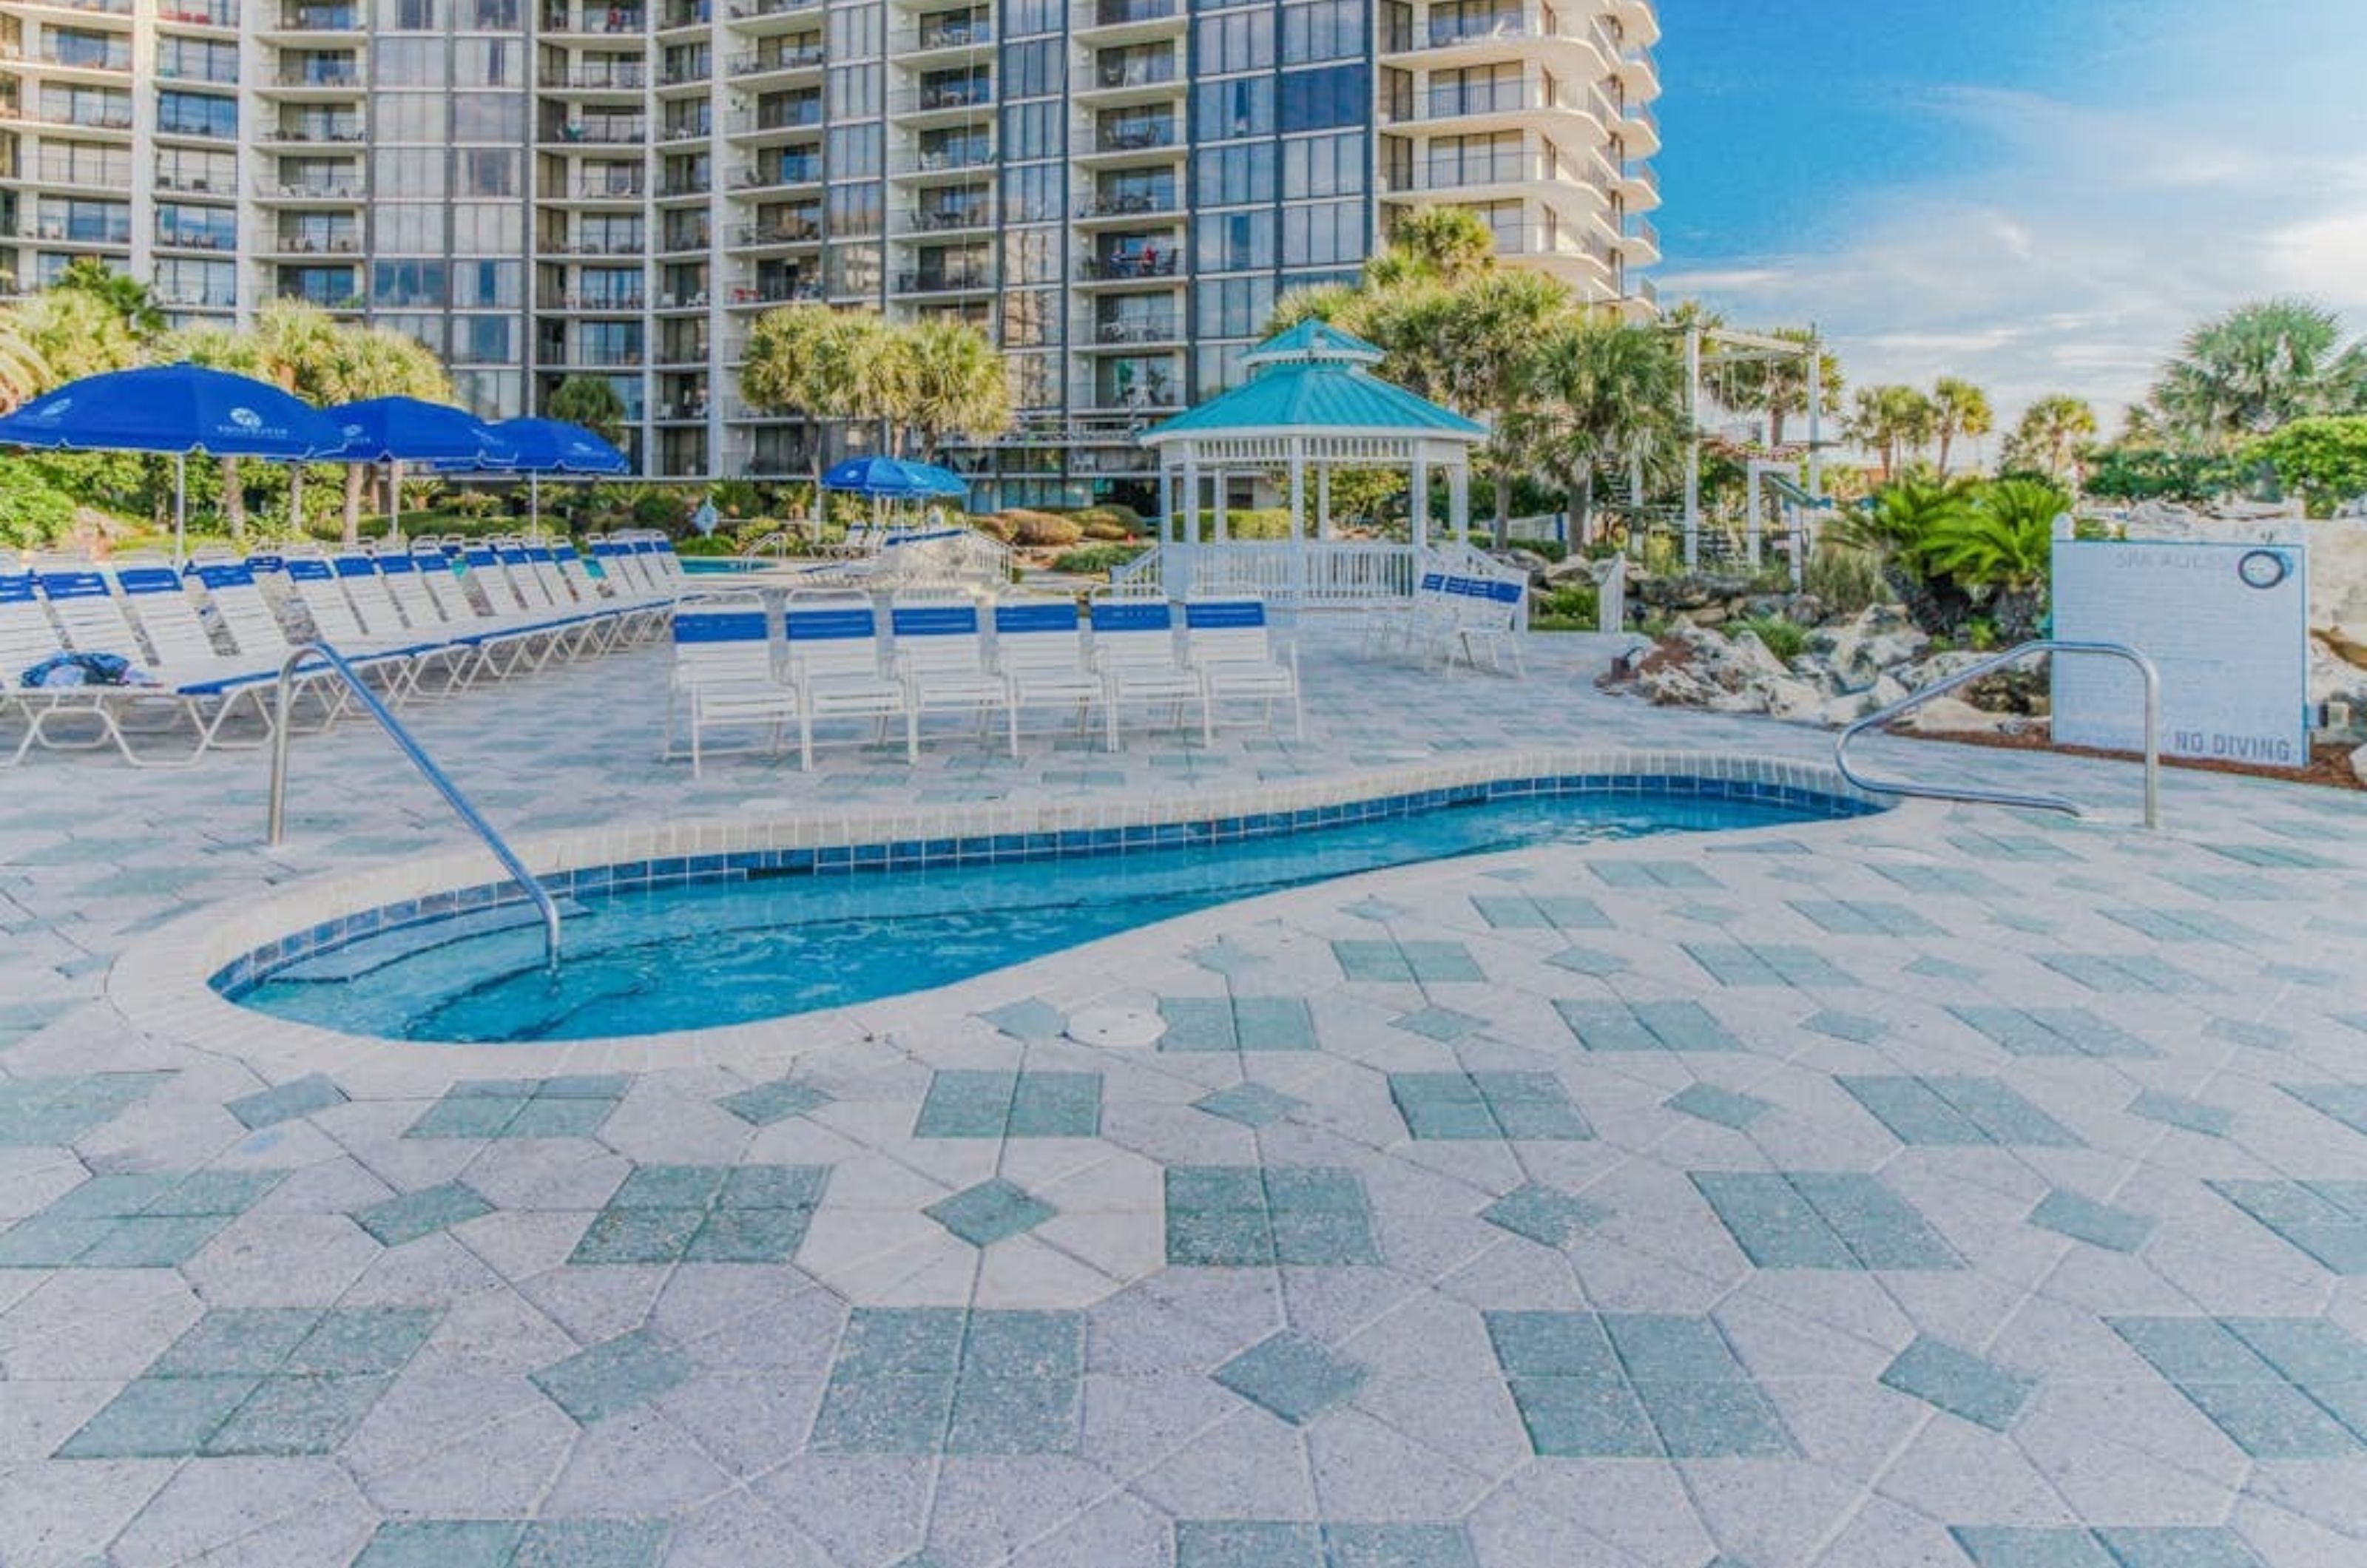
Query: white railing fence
1324	573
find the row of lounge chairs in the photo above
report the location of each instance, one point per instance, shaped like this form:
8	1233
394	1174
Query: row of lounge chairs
205	643
1451	615
828	657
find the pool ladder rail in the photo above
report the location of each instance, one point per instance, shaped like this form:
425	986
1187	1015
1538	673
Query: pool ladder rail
408	744
1978	796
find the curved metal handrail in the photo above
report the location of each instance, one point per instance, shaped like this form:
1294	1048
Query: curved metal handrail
409	745
1978	796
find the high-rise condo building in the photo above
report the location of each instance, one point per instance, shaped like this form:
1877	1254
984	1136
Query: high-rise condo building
1116	189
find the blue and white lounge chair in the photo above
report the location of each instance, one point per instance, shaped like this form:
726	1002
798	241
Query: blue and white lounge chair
29	639
387	658
941	656
1226	640
1134	650
723	673
215	686
835	667
1039	647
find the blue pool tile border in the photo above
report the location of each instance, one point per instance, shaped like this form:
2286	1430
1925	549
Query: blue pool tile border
251	969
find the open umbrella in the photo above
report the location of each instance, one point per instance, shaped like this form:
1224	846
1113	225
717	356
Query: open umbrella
179	408
395	431
540	446
890	479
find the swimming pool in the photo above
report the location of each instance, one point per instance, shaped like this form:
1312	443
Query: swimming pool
714	941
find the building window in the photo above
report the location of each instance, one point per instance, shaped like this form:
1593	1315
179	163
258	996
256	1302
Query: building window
196	113
1223	111
1335	95
407	283
1323	166
1239	41
1323	30
1236	242
1234	176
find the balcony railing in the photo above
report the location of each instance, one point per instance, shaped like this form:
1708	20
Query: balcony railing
207	128
687	14
1117	13
801	233
318	190
104	7
64	171
1125	265
946	280
341	73
320	18
117	60
939	160
196	299
801	114
77	118
612	22
967	32
58	231
1130	203
684	184
1146	73
926	221
1480	169
305	244
679	240
799	59
696	128
602	358
173	180
1134	135
975	93
615	188
787	292
195	239
596	302
1645	231
788	171
1139	329
600	133
595	245
627	78
750	10
337	134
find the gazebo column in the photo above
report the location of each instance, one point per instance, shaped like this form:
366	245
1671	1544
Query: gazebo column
1166	502
1224	529
1421	487
1298	520
1323	502
1458	500
1188	522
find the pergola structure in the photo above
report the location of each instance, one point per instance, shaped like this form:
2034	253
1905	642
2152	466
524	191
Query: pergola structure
1311	405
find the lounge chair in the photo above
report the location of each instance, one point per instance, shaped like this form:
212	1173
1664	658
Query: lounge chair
941	656
1225	640
217	686
835	667
29	639
385	618
388	659
723	673
1134	650
1039	648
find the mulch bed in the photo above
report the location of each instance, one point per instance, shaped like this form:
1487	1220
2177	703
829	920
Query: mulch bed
2329	764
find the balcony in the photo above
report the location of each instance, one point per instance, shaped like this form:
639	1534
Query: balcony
758	10
799	114
1115	75
1124	13
302	244
628	77
346	133
185	14
74	118
686	14
975	214
326	75
200	129
87	174
600	358
195	240
601	21
1132	267
974	279
594	304
594	244
1134	330
613	188
185	299
1473	171
61	231
598	134
113	62
320	20
349	189
952	158
972	94
694	237
806	57
960	30
99	7
176	181
691	128
787	172
807	232
1130	203
1135	135
785	291
1480	99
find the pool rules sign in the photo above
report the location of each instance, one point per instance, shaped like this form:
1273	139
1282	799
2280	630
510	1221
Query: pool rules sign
2226	625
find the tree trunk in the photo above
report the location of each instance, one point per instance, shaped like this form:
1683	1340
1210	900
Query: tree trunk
1504	534
1775	424
296	497
357	476
1946	441
234	502
1582	509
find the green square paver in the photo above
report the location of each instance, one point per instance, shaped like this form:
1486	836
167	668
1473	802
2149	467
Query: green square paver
1397	1546
775	1187
570	1107
2014	1546
161	1417
2176	1546
1960	1382
749	1236
1237	1023
1423	962
237	1340
1247	1543
294	1415
592	1543
1442	1024
2121	974
57	1110
1543	1215
1631	1386
1644	1026
1485	1105
1241	1216
409	1216
443	1543
753	1213
616	1375
671	1187
2229	1370
2346	1104
1251	1104
2052	1031
289	1100
1723	1106
1955	1111
940	1380
356	1341
1057	1105
2326	1220
1822	1220
1768	964
1293	1376
637	1237
992	1211
1037	1414
1653	874
775	1102
2099	1225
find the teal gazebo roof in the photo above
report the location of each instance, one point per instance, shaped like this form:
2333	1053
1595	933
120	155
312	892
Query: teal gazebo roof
1316	379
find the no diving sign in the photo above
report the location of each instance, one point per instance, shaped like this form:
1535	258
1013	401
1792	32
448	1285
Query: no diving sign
2226	625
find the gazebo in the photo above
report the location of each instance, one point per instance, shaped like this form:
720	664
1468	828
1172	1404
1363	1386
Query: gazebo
1312	404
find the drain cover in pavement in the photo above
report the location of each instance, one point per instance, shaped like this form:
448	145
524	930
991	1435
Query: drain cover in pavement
1118	1027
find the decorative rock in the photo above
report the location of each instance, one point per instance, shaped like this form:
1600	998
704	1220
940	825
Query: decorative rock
2359	764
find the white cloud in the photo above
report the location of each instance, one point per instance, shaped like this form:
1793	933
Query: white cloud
2081	260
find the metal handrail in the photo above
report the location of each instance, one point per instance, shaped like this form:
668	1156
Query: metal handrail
409	745
1978	796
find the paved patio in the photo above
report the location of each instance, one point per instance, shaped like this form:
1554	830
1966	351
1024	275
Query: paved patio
1950	1187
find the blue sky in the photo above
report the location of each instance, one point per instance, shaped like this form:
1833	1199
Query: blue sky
2041	195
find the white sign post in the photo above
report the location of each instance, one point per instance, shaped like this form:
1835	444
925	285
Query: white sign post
2227	625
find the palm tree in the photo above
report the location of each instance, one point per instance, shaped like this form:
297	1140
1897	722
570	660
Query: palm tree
2050	438
801	359
1482	359
378	362
23	371
1890	421
133	302
222	349
2002	541
1434	244
76	333
1959	409
1613	400
2257	367
296	346
1778	386
954	384
592	401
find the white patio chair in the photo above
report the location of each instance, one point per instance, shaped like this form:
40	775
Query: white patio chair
941	656
1039	647
833	644
723	674
1134	653
1226	640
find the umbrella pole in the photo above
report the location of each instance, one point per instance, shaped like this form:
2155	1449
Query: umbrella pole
180	507
534	502
394	508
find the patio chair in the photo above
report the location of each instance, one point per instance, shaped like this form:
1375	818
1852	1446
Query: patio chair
1226	640
214	686
835	667
315	590
941	656
1134	651
723	673
1039	647
383	618
28	638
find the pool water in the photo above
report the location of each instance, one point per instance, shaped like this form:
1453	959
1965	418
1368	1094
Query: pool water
708	954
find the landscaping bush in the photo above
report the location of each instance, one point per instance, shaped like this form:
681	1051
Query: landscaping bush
1042	530
993	524
1125	517
32	513
1247	523
1845	577
1107	529
1573	607
1785	639
1096	559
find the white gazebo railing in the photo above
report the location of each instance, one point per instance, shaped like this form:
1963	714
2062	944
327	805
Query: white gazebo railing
1310	573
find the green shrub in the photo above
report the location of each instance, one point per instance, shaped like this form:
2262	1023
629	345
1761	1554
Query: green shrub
1125	517
1785	639
1573	607
1247	523
32	513
721	545
1546	549
1845	577
1043	530
1096	559
1107	529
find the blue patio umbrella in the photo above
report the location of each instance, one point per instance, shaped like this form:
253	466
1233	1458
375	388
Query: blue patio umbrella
890	479
179	408
540	446
943	481
395	431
